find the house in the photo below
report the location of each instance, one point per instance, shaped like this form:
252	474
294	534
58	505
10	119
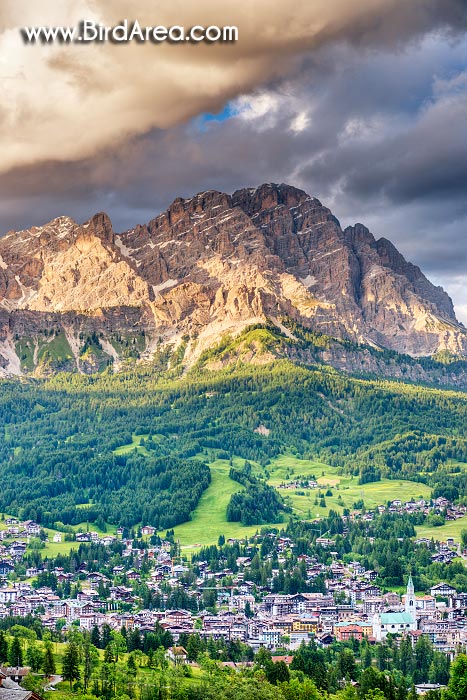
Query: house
32	528
325	639
397	622
15	673
148	530
8	595
10	690
423	688
442	590
57	537
83	537
17	549
6	568
178	618
178	655
107	540
325	542
272	637
356	630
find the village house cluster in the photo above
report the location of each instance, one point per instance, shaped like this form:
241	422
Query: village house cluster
352	606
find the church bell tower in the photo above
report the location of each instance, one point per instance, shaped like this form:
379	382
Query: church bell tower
410	598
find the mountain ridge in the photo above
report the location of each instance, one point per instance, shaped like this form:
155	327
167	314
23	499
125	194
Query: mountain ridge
211	265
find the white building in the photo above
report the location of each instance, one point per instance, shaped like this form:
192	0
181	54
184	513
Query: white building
398	622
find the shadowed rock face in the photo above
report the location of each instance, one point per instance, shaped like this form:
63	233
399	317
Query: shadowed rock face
216	263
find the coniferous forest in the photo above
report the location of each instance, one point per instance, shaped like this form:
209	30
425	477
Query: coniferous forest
64	438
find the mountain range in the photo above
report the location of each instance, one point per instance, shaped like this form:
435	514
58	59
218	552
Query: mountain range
79	297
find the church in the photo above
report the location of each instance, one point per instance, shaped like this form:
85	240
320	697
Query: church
397	622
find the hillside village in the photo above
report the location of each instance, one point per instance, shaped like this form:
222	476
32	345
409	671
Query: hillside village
221	604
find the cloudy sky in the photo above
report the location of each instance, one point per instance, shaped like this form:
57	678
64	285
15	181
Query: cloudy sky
362	104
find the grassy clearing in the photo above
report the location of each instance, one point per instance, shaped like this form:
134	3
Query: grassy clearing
57	350
453	528
134	445
345	488
129	347
209	519
53	549
25	351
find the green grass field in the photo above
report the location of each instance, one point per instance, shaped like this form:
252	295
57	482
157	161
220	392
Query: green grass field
53	549
209	518
345	489
135	444
453	528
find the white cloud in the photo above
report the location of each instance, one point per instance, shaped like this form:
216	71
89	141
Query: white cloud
69	102
300	122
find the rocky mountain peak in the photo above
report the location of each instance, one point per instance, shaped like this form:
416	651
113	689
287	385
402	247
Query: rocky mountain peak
100	225
359	234
267	196
213	264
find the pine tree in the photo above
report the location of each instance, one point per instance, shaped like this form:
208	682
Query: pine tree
423	659
194	646
131	666
95	636
3	647
366	657
15	653
134	640
34	657
106	636
109	656
91	660
48	665
70	667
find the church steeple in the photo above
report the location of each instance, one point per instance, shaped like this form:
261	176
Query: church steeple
410	598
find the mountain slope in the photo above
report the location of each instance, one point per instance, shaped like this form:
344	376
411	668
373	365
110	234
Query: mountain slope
210	265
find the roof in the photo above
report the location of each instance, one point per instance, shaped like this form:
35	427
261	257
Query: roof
396	618
12	691
15	670
286	659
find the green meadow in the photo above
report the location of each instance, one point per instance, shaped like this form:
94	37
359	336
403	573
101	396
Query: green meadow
453	528
209	518
53	549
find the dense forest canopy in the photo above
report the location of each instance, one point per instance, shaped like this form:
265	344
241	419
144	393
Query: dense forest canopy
61	436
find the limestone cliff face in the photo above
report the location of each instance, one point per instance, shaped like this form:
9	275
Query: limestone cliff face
211	264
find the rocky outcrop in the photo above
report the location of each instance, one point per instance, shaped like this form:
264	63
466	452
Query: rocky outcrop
212	264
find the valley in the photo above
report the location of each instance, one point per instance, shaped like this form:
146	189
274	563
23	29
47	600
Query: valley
232	438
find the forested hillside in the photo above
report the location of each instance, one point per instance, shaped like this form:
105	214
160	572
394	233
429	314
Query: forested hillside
60	456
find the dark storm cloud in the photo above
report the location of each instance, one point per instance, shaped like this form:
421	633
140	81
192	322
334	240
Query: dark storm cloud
67	102
375	128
